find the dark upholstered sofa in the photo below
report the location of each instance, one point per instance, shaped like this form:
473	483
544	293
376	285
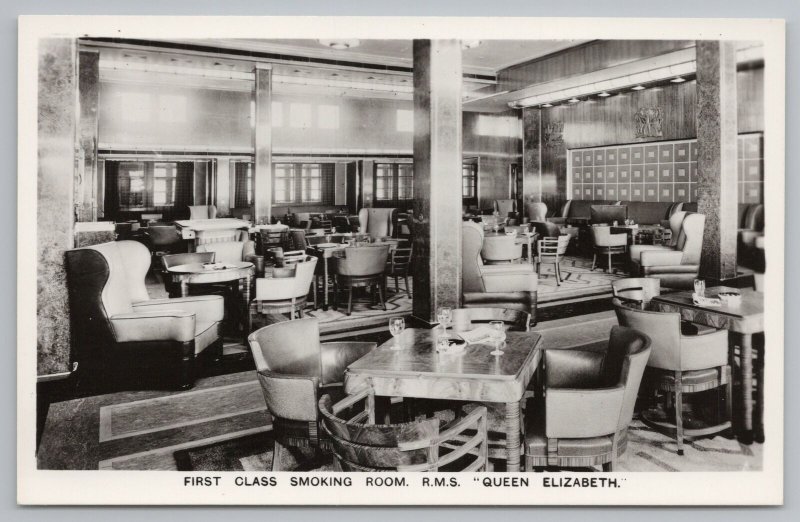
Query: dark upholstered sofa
642	212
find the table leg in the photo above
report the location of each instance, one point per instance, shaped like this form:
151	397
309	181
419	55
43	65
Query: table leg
325	285
248	279
746	354
530	251
184	288
512	437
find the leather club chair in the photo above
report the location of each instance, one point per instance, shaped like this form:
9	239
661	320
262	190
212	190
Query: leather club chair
360	267
295	370
286	291
607	244
501	250
377	222
676	265
202	212
582	419
494	286
681	364
536	211
117	327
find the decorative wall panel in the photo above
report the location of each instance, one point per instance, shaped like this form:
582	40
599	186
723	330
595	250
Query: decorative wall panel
664	171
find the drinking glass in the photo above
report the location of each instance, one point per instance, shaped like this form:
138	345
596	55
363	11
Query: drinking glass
396	327
445	315
328	238
499	336
442	343
700	287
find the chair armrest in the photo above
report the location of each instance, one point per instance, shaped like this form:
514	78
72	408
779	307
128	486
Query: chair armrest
699	352
557	220
689	328
292	397
661	258
207	308
275	288
337	356
573	413
157	325
510	282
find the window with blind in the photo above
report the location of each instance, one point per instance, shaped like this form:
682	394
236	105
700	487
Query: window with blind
141	186
394	182
303	183
243	180
469	183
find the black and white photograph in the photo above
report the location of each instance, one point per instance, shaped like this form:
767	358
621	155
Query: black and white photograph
302	249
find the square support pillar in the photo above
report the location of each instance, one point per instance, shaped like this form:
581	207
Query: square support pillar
262	143
86	173
717	187
437	176
531	154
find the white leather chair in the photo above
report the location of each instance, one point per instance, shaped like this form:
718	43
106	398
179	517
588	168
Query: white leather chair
286	291
377	222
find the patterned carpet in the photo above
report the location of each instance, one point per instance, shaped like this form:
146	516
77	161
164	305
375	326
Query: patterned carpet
579	281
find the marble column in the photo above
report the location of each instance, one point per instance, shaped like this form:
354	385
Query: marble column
531	154
437	176
262	143
86	173
717	187
55	217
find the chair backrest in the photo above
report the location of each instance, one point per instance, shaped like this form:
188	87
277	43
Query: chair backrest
400	260
553	246
690	238
754	218
602	236
537	211
202	212
377	222
501	248
288	348
361	445
663	328
274	237
628	353
608	213
471	261
466	318
170	260
363	261
546	229
505	206
228	251
298	239
295	280
636	290
163	235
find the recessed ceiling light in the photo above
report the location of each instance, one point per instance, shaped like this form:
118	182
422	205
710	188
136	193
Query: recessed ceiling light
340	44
573	100
297	70
604	94
470	44
370	77
334	74
678	80
547	105
638	88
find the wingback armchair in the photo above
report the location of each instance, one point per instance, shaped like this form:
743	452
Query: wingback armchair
377	222
677	264
295	370
496	286
588	402
504	207
116	326
202	212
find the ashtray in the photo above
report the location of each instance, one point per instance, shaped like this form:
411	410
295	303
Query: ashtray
730	298
454	346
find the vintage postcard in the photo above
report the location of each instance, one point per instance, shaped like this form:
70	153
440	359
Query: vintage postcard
510	261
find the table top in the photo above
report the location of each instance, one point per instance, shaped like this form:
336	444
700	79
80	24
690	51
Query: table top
752	302
198	268
213	224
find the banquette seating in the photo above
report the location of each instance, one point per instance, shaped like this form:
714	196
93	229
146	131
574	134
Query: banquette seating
641	212
511	286
117	327
377	222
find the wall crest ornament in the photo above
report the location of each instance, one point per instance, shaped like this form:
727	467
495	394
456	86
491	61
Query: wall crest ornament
554	134
647	121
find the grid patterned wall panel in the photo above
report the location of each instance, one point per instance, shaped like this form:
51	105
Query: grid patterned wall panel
665	171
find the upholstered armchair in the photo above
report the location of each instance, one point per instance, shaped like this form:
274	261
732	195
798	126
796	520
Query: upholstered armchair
678	264
536	211
360	267
636	291
496	286
588	402
286	291
607	244
235	251
505	207
202	212
377	222
681	364
295	370
501	249
117	327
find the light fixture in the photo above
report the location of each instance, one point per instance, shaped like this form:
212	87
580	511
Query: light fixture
547	105
573	100
679	79
603	94
340	44
638	88
470	44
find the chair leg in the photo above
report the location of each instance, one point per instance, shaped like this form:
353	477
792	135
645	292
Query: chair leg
381	296
350	301
408	288
609	262
277	453
594	262
679	411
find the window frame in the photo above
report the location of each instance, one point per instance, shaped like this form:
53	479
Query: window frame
394	182
474	166
300	180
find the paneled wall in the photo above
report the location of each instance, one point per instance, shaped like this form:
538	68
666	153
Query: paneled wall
609	122
496	139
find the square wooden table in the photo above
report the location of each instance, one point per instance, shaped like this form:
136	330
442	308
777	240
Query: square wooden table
417	370
744	319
